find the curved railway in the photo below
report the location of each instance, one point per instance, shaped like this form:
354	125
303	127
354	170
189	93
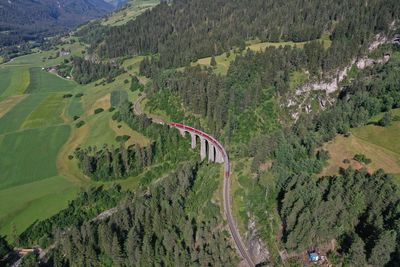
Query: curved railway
244	253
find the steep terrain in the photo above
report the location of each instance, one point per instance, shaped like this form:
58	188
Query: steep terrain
27	20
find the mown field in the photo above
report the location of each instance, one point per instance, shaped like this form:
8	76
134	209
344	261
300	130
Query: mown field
32	132
38	132
22	205
13	80
134	9
380	144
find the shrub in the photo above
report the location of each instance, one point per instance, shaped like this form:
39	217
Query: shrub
362	158
122	138
76	117
80	124
67	96
98	110
386	119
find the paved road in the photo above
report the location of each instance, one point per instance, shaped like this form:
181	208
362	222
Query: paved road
227	184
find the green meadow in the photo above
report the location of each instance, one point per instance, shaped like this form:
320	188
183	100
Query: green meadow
13	119
22	205
47	113
30	155
44	82
13	80
37	135
380	144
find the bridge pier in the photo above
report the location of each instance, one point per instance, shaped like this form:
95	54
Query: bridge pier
219	158
203	152
193	140
211	156
182	131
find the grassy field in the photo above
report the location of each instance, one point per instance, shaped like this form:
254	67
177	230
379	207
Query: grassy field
223	61
30	155
7	104
13	80
380	144
75	107
22	205
44	82
133	64
47	113
133	9
13	119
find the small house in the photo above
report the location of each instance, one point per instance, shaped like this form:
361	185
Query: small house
313	256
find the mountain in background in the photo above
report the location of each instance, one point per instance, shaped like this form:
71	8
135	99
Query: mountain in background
24	20
116	3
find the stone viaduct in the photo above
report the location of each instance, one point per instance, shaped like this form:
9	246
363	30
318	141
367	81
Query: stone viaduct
208	144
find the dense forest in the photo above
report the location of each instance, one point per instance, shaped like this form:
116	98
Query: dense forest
164	225
86	206
109	163
85	71
296	154
190	29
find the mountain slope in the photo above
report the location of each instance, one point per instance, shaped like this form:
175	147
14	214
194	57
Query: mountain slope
29	19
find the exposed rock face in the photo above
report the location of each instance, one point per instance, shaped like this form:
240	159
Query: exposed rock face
321	90
257	248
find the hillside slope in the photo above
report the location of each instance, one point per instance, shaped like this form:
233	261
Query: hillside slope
26	20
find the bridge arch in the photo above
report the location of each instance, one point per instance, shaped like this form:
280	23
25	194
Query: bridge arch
209	147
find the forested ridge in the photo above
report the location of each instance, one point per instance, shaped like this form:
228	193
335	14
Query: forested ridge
164	225
190	29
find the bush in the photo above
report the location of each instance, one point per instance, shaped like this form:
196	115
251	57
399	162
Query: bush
111	109
136	85
80	124
362	158
386	119
98	110
122	138
76	117
79	95
67	96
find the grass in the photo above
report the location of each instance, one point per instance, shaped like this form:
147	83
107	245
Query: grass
48	58
47	113
297	78
22	205
44	82
124	129
30	155
380	144
75	107
133	64
14	118
134	9
223	62
13	80
8	103
5	79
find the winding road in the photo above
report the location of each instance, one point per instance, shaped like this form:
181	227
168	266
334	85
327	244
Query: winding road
244	253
